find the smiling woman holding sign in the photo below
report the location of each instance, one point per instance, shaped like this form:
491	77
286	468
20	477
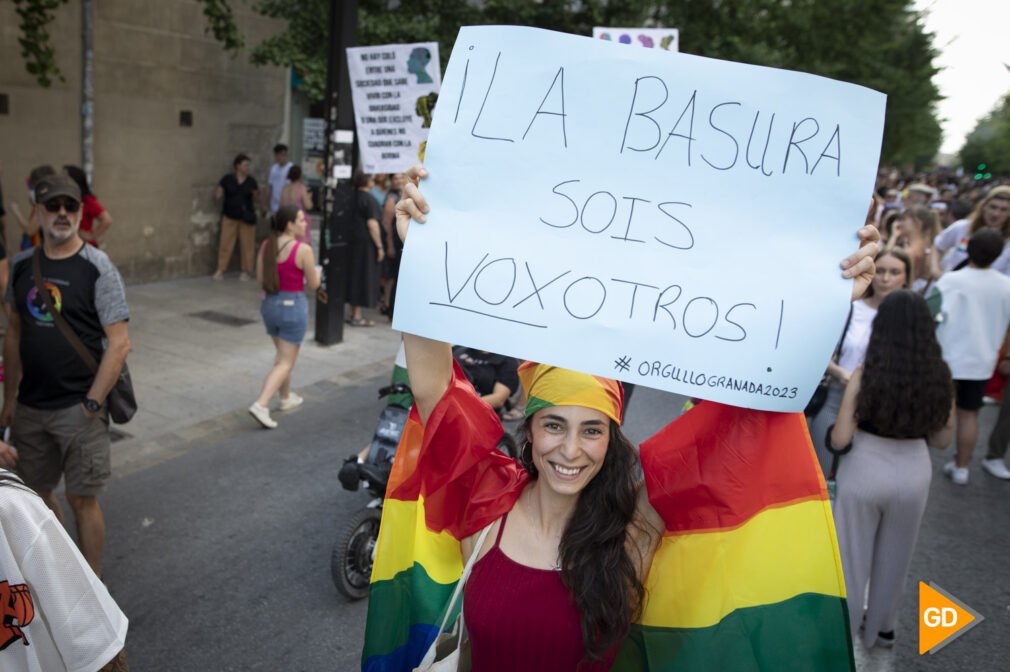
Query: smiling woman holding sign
570	554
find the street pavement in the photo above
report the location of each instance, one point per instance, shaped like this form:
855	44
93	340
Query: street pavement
220	533
200	352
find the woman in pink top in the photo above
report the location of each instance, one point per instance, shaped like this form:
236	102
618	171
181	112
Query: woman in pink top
295	193
284	267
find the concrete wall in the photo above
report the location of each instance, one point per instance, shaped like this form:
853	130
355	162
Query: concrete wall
155	177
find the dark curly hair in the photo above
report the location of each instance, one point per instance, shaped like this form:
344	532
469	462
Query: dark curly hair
596	566
906	391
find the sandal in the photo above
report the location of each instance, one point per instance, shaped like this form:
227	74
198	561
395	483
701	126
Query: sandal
361	323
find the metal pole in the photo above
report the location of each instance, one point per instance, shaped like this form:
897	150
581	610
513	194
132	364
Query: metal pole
338	193
87	89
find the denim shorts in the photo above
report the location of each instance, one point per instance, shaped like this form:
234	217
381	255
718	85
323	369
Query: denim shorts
286	316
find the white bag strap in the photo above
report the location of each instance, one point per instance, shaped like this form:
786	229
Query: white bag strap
429	656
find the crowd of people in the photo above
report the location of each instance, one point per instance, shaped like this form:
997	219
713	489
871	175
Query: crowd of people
924	347
920	354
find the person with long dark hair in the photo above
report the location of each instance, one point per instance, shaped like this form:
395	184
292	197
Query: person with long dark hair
894	271
95	219
900	402
580	536
284	267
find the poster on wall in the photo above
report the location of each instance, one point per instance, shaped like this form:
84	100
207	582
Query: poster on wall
394	88
313	150
654	38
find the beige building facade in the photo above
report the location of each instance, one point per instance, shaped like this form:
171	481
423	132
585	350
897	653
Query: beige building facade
153	64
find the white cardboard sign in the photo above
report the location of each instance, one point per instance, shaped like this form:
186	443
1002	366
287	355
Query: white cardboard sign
664	219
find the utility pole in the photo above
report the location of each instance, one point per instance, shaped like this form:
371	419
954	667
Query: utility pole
341	159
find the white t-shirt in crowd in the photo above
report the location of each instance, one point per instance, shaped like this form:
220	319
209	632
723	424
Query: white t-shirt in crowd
952	243
277	178
975	314
857	336
56	614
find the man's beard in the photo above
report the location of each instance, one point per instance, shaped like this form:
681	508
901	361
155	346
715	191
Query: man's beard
61	235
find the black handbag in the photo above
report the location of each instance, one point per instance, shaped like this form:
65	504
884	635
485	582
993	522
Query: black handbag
820	395
121	400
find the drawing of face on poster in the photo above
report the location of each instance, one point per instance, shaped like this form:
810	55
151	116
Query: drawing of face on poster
425	107
417	65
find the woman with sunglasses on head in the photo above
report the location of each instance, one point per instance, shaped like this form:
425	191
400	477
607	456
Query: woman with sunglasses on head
993	211
562	572
897	404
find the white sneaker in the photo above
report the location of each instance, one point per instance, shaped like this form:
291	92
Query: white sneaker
294	401
262	415
244	277
997	468
958	475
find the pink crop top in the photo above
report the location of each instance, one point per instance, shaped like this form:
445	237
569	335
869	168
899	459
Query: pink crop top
292	278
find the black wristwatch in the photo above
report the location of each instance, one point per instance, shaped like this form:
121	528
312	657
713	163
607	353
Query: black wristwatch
92	406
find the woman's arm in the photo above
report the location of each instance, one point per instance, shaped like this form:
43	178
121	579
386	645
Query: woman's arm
306	261
373	231
388	215
498	396
839	374
259	263
845	423
29	226
102	224
429	363
942	438
306	198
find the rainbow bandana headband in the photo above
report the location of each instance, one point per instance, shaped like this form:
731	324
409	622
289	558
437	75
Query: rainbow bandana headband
552	386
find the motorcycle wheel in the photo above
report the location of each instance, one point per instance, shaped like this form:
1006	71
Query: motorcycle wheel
351	561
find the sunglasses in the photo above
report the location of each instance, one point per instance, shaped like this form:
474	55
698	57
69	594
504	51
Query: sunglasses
54	205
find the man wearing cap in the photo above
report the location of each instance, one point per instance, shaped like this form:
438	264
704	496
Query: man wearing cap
58	411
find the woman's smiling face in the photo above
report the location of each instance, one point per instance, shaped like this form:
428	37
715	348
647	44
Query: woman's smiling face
569	446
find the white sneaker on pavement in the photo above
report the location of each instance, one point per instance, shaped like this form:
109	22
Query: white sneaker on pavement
997	468
294	401
262	415
244	277
958	475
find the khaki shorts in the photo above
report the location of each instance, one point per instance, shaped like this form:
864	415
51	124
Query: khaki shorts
66	441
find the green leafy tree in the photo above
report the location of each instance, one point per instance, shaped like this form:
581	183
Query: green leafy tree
35	16
989	142
881	44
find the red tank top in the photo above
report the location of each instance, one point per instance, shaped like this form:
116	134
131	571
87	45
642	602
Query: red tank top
522	618
292	279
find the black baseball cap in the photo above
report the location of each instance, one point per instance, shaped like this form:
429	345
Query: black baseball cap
56	185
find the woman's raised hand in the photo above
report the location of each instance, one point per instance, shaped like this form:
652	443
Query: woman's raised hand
860	265
412	204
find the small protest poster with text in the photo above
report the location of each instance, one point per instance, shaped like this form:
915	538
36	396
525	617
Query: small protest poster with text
394	88
659	218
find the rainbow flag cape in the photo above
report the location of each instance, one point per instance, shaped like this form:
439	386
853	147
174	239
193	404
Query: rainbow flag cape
747	577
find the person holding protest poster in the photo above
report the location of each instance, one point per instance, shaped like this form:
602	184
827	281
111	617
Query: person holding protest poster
573	539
